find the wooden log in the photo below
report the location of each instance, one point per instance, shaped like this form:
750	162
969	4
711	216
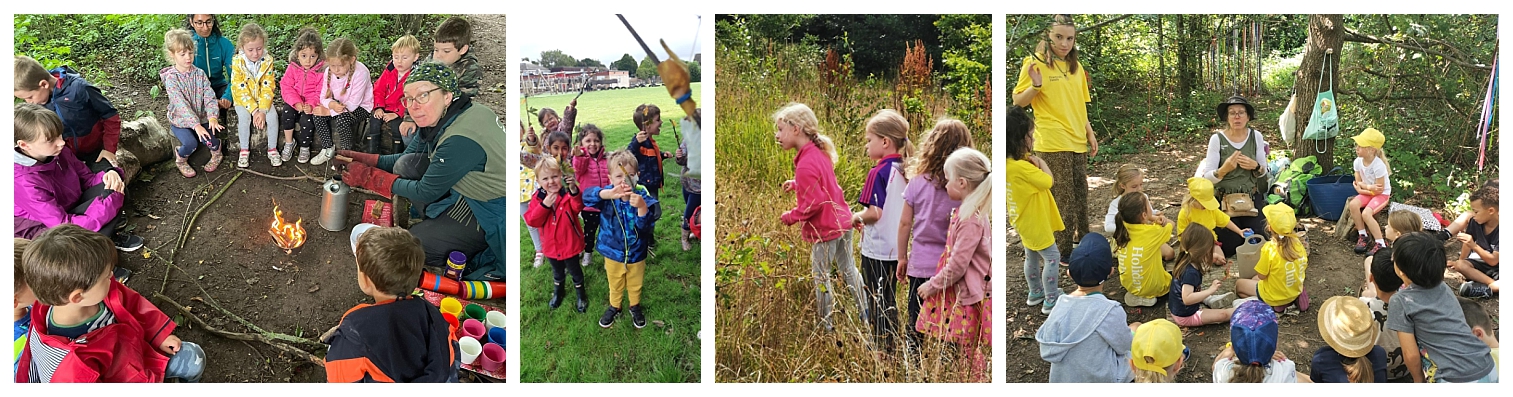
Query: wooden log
144	142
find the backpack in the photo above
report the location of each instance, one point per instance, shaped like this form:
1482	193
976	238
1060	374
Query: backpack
1291	186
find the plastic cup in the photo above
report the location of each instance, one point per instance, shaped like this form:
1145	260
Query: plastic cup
493	357
475	329
470	349
452	322
475	312
496	335
451	306
494	320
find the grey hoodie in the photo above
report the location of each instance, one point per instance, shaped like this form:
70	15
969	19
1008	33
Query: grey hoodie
1086	340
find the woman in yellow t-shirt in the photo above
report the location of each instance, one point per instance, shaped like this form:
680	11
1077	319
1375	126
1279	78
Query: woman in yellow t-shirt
1055	85
1140	237
1032	211
1283	264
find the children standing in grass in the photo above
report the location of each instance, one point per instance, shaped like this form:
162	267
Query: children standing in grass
649	156
348	93
927	212
961	290
887	135
625	207
1194	257
1032	211
1427	318
1283	265
554	209
592	167
300	88
1140	237
821	213
191	103
1373	190
252	91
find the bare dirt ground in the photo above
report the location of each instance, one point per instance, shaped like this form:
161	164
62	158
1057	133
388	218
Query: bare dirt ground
1334	269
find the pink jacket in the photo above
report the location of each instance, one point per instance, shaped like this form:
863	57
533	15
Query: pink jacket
591	171
300	85
821	206
970	264
354	91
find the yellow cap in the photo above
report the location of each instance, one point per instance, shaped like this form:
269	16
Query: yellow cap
1370	138
1281	218
1202	190
1157	345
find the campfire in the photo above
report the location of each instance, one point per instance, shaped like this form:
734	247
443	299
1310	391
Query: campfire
286	235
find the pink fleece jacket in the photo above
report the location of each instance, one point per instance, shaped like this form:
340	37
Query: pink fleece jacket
822	209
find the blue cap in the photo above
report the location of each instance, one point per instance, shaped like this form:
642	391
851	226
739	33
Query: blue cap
188	364
1253	331
1092	261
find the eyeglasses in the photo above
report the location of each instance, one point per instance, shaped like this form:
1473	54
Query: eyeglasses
423	98
1239	113
203	23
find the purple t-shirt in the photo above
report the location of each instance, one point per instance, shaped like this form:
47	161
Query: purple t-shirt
932	216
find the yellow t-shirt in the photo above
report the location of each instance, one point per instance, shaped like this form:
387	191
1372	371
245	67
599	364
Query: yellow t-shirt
1140	268
1284	280
1032	210
1209	218
1061	106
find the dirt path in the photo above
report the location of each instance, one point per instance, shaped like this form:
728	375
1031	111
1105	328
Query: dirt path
1334	269
488	46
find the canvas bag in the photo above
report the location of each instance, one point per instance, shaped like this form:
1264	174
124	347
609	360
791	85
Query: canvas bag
1325	122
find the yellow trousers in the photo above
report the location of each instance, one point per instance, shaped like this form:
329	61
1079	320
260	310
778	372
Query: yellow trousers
623	277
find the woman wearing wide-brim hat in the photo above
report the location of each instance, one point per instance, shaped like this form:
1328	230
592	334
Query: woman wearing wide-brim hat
1236	163
1055	85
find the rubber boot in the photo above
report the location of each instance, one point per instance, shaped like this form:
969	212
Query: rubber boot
373	145
582	299
556	297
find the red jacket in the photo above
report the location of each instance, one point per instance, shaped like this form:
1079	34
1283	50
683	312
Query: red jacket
561	234
591	171
389	88
822	210
124	352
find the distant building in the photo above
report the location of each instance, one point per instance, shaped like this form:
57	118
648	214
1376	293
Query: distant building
537	80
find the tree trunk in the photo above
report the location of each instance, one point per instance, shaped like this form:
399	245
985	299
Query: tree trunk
1185	58
1325	33
144	142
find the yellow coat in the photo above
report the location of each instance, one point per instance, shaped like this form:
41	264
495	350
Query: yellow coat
253	89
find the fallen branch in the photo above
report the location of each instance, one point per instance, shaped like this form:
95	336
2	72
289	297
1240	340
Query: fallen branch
263	338
184	235
307	177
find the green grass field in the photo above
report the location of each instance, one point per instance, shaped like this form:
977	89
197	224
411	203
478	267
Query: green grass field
562	345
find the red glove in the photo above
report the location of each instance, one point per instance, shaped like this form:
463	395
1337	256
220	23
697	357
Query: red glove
371	178
367	159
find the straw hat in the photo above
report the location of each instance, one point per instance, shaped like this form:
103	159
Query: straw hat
1347	325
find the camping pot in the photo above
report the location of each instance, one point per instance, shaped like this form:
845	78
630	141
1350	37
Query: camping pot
333	204
1246	255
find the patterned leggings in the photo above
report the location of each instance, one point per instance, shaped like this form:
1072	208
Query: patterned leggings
1070	191
345	126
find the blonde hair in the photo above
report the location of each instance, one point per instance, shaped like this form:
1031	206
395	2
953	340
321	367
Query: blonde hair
890	125
29	73
407	42
1289	245
341	48
1148	376
799	116
1127	173
624	160
1358	369
547	164
1405	222
972	165
1247	373
251	32
176	40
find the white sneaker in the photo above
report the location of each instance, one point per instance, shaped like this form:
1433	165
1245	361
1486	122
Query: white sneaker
1136	300
274	158
539	258
1217	301
243	158
324	156
587	257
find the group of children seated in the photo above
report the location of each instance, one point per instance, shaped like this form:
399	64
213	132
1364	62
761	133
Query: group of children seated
1426	336
578	198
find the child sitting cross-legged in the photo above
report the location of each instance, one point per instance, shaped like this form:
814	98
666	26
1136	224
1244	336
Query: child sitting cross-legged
1427	318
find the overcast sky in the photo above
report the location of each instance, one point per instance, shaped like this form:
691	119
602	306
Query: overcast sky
603	37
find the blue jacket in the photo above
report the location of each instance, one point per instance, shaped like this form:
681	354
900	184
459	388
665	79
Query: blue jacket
620	225
213	55
90	121
648	162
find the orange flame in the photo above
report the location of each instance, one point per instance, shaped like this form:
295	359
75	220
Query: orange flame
287	235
